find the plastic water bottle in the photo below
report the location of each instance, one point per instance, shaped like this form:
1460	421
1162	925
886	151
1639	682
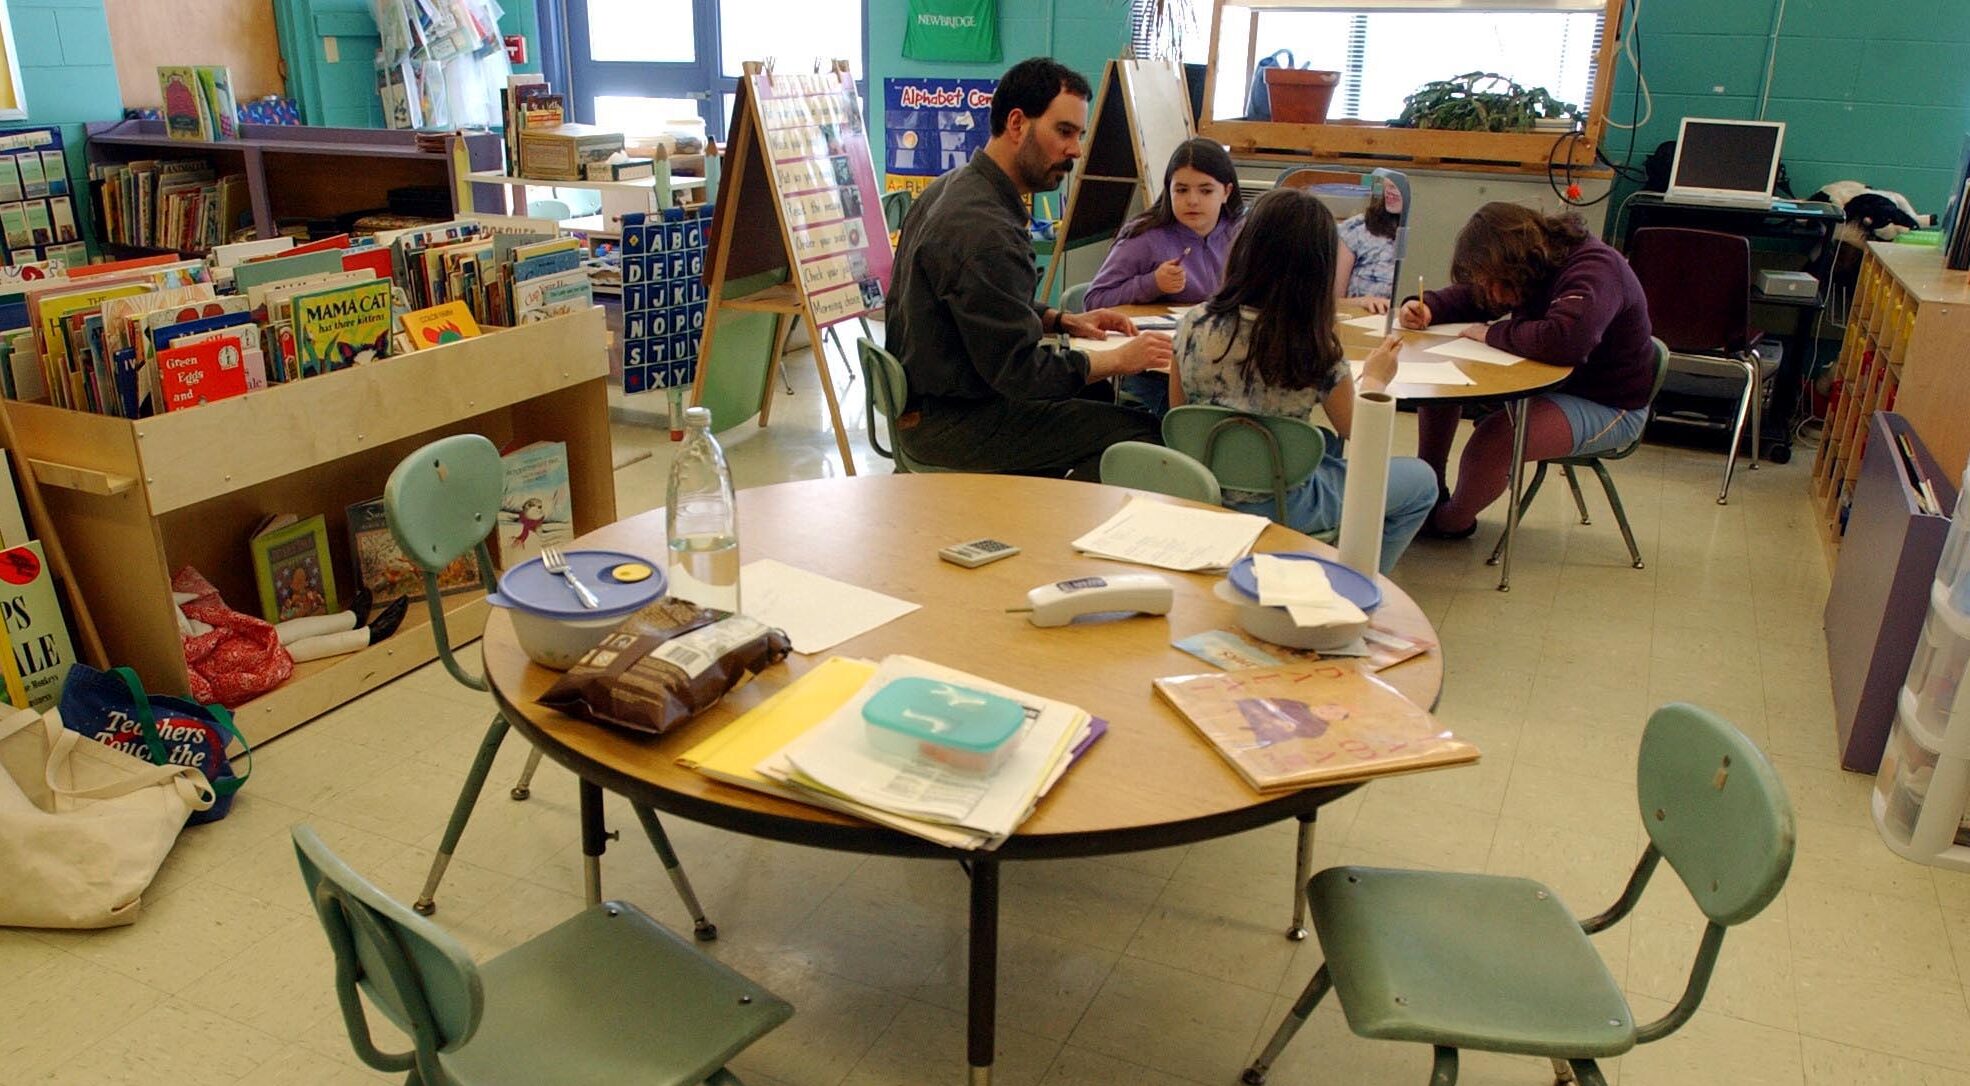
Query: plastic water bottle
701	519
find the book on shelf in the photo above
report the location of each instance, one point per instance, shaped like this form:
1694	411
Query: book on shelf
437	325
339	326
187	112
386	571
37	628
201	372
291	567
535	504
13	520
1311	724
215	85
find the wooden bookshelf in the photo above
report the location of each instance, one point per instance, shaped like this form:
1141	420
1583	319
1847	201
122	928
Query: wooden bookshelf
135	501
311	172
1908	331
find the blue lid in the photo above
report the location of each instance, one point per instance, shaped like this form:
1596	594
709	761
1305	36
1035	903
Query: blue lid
943	713
529	587
1352	587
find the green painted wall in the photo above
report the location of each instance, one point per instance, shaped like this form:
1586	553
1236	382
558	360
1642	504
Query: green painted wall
68	78
1873	92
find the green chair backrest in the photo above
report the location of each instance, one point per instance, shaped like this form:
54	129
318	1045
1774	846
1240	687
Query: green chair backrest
1716	810
1246	451
886	389
1074	299
895	205
442	502
1144	466
416	974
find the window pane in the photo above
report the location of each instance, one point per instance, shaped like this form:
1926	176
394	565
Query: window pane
1405	51
793	35
646	30
642	116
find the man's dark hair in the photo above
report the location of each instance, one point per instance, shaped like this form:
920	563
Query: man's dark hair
1030	86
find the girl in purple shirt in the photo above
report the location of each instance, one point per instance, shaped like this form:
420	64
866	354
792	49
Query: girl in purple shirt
1175	251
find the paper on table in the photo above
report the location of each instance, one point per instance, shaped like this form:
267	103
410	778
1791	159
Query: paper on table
1085	343
1152	533
817	612
1474	351
1364	499
1422	373
1304	589
1372	322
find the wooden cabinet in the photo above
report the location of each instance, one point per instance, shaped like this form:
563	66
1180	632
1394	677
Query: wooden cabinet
1908	333
134	501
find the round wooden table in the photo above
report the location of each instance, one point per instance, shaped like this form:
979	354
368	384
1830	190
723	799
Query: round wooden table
1151	782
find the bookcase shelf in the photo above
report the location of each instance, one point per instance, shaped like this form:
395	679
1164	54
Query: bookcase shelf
1908	331
297	171
135	501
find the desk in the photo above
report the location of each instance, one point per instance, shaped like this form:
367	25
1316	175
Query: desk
1792	235
1150	783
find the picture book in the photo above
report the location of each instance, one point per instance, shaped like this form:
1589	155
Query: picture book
13	520
439	325
384	568
285	266
551	296
187	116
291	565
342	325
36	625
1311	724
534	506
201	372
215	85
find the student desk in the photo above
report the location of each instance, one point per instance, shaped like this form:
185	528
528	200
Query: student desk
1151	782
1510	385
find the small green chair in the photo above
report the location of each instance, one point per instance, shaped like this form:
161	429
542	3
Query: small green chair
1244	451
1143	466
442	502
1074	299
895	205
1501	965
885	389
1598	464
606	996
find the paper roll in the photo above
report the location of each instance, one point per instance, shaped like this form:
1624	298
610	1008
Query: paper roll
1364	497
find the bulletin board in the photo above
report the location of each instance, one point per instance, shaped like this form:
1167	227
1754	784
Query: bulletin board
39	217
932	126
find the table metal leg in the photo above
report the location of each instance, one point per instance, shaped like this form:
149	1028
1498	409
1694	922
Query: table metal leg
593	840
1302	871
983	978
1518	409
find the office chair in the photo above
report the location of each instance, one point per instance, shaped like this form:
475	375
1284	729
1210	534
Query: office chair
1698	284
1501	965
1143	466
1598	464
442	501
606	996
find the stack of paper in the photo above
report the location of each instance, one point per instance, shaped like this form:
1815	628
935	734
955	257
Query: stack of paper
1153	533
1304	590
809	743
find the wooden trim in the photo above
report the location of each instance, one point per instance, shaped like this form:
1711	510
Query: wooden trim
1341	140
86	480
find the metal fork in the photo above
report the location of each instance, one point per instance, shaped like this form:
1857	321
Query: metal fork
556	562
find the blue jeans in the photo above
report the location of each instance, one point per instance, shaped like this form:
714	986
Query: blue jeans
1598	428
1151	389
1315	505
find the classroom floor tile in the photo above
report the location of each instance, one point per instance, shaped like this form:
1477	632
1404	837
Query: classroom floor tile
1165	968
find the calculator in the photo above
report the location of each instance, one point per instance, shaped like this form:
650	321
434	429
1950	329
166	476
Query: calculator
977	552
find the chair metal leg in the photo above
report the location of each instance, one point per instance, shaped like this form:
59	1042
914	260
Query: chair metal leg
1302	1010
1443	1069
1620	513
704	930
1302	872
1573	484
594	838
1588	1073
461	812
524	787
1757	411
1737	428
1519	409
1525	503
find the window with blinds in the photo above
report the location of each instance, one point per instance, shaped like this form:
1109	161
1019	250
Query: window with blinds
1386	49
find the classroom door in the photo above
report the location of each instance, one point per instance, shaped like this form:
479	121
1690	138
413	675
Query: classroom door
329	48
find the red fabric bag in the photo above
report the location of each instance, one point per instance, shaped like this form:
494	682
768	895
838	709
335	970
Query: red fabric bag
237	660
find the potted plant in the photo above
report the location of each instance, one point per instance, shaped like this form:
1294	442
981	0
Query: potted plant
1482	102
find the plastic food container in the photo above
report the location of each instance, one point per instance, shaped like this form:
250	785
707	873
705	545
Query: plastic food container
1907	769
968	730
1942	657
551	625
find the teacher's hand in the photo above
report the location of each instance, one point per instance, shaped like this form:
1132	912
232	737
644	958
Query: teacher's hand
1095	324
1414	314
1148	351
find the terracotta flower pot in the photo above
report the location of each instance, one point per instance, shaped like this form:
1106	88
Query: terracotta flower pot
1300	95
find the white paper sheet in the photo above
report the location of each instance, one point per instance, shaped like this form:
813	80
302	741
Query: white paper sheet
1364	499
1474	351
1085	343
817	612
1372	322
1152	533
1422	373
1304	589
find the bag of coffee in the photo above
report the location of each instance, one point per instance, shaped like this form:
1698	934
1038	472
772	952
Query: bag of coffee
665	664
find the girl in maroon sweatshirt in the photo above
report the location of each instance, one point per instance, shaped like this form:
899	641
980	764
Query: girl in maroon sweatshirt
1568	299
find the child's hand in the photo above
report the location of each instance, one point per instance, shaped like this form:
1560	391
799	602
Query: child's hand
1475	331
1380	370
1373	303
1414	314
1170	278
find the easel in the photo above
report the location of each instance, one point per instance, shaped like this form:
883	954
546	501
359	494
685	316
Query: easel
751	240
1141	114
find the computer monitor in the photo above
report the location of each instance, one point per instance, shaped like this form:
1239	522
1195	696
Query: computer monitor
1726	162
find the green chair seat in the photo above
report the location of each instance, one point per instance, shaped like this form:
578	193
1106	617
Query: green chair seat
1546	991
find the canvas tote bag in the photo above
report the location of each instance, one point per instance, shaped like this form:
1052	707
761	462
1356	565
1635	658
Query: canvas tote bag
83	827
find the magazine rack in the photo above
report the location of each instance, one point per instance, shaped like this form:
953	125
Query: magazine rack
137	500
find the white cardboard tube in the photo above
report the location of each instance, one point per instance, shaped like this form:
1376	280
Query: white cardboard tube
1365	495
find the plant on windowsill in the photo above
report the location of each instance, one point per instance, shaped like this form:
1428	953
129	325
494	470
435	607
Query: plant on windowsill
1481	102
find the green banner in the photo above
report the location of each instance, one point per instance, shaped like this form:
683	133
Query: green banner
952	30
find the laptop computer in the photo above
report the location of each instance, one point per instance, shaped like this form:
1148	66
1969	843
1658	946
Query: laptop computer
1725	162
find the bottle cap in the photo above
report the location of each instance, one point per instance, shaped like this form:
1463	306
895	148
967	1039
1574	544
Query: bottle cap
697	416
